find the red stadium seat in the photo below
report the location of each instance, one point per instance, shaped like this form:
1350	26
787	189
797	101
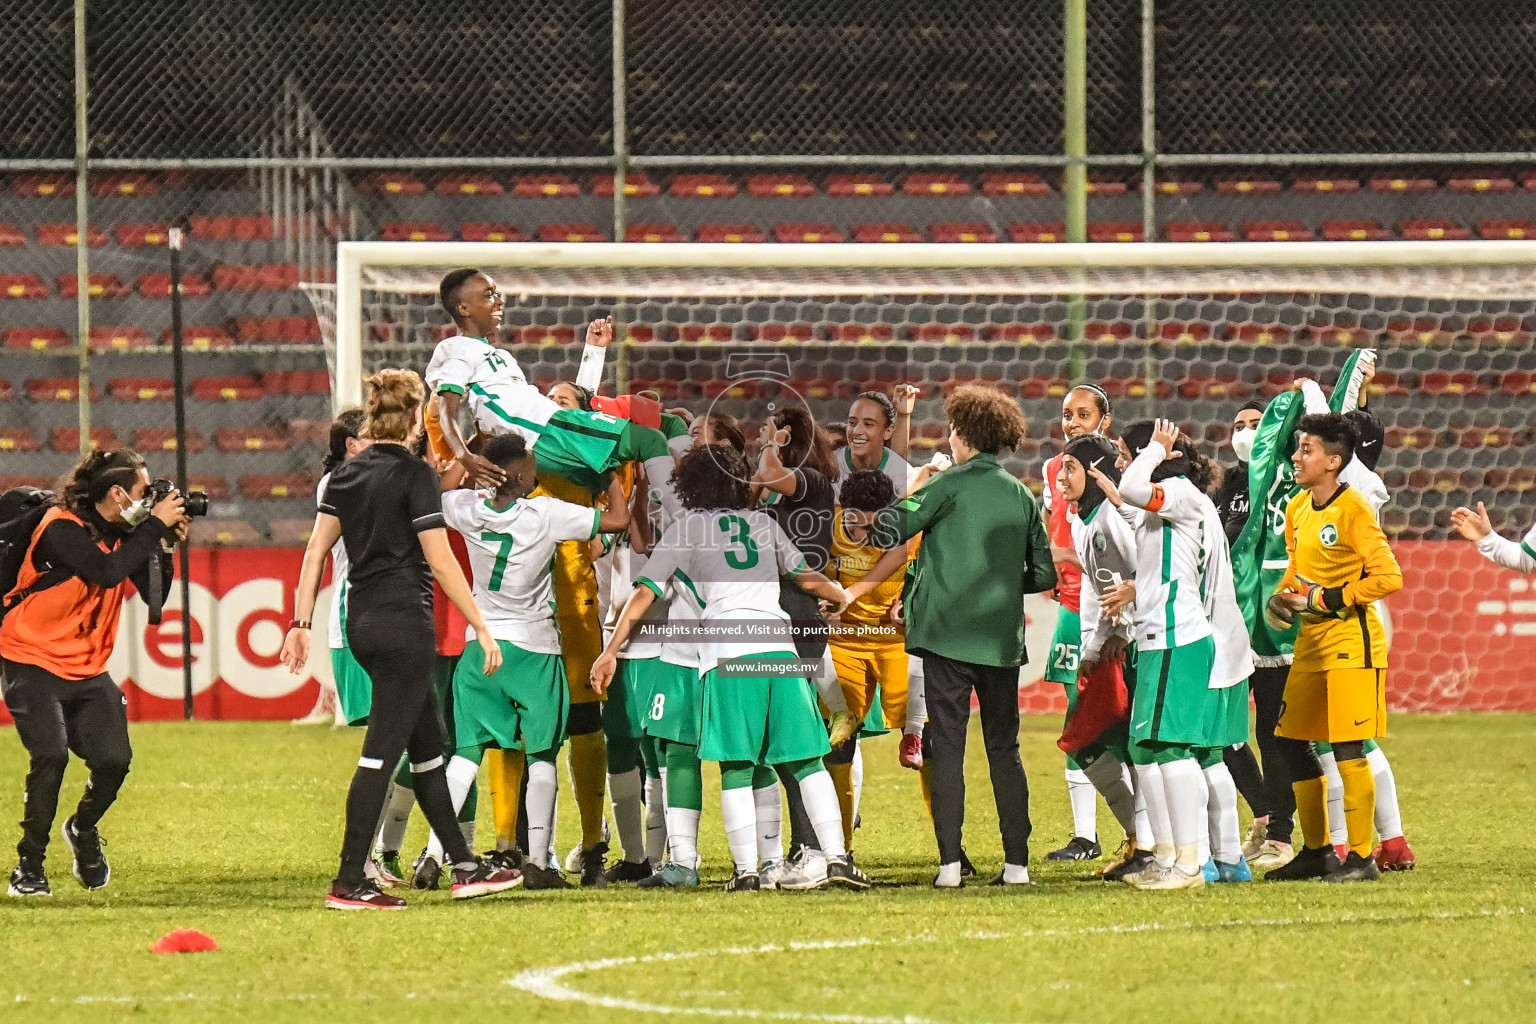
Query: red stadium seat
1276	231
142	234
245	229
232	277
1355	231
1108	332
775	185
142	389
1506	228
1247	186
65	234
6	394
1339	185
250	439
215	533
1403	185
10	235
58	389
1417	332
1386	382
102	286
1115	231
1184	332
862	333
1171	187
1014	184
570	233
44	186
1352	337
1431	229
1197	231
858	185
1020	334
885	233
19	439
947	333
1037	232
1472	184
730	233
962	233
163	439
1502	330
202	338
22	286
703	333
468	185
560	335
634	185
158	286
412	231
133	184
391	183
807	233
1103	185
1257	334
935	185
479	231
714	186
67	439
34	338
117	339
277	485
781	332
653	233
226	389
1437	383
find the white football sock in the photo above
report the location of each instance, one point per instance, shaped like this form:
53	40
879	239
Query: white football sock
1107	776
683	836
739	816
1186	792
628	815
1015	874
949	876
540	807
1221	811
467	830
826	814
1338	831
769	802
917	703
1389	817
856	775
461	773
1143	831
655	819
1149	783
1085	805
397	815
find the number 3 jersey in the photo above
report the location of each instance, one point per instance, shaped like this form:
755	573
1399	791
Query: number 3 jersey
493	386
510	552
728	564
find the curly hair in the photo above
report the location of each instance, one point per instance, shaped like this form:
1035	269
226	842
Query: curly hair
1337	433
394	405
985	418
1185	460
807	447
84	486
713	476
867	490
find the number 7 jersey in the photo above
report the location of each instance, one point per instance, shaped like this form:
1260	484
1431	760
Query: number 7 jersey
510	553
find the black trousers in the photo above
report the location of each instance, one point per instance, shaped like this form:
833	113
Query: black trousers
810	642
1268	685
53	717
404	719
948	688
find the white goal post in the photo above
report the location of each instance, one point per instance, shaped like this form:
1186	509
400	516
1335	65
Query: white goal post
1450	270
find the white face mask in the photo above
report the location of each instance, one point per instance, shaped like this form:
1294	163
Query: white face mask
1242	443
136	512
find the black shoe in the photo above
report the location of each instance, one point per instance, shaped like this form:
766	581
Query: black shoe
967	869
426	872
629	871
1077	849
511	859
744	883
535	877
27	879
91	868
843	871
592	875
1309	863
1133	864
363	896
1354	869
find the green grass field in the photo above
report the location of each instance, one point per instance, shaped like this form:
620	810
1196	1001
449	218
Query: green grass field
234	828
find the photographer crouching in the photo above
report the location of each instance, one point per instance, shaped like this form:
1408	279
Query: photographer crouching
110	526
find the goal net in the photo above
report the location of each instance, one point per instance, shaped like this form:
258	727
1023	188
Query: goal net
1188	331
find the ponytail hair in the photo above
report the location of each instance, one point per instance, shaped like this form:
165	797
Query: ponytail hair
394	405
344	428
84	486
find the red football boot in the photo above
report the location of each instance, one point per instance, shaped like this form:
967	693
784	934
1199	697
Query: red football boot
1394	855
910	753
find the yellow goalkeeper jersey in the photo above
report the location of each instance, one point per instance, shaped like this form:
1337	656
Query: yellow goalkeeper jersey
1340	545
868	621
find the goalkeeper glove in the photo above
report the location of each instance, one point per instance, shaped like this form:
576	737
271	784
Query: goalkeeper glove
1278	613
842	727
1322	601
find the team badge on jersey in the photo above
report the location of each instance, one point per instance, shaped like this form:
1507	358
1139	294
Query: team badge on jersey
1329	534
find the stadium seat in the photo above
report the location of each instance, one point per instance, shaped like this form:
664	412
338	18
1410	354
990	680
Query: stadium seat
1354	231
714	186
141	234
1276	231
215	486
65	234
1430	229
132	184
1014	184
243	229
705	332
19	439
390	183
559	335
536	186
1247	186
570	233
226	389
1403	185
142	389
1485	437
776	185
1020	334
730	233
250	439
34	338
468	185
213	533
634	185
1037	232
479	231
885	233
296	382
962	233
1472	184
1114	231
158	286
858	185
102	286
1197	231
1184	332
1172	187
947	333
66	440
935	185
807	233
10	235
1386	383
1506	229
653	233
119	339
413	231
232	277
1440	383
1339	185
6	394
58	389
42	483
277	485
1351	337
22	286
864	334
1504	330
44	186
199	338
1103	333
290	532
1103	185
781	332
278	330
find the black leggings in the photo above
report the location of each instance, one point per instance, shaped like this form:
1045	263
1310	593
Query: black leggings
53	717
1268	686
404	719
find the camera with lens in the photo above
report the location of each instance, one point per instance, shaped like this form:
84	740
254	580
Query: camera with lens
195	502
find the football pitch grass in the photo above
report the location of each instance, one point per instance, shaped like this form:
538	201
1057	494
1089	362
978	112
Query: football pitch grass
233	828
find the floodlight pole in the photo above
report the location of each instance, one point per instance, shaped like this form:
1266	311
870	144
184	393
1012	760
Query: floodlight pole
1149	185
178	370
82	232
1075	180
620	176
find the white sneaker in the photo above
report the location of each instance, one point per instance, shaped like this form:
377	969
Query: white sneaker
1171	877
1258	832
1273	854
769	872
949	876
809	872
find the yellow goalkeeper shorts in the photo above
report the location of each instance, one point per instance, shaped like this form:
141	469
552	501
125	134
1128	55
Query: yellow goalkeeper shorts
861	669
1344	705
575	584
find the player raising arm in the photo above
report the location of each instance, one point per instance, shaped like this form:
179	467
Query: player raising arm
1478	528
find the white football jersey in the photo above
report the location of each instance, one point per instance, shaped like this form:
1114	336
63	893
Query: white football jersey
493	386
510	554
727	564
336	626
1172	553
897	469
